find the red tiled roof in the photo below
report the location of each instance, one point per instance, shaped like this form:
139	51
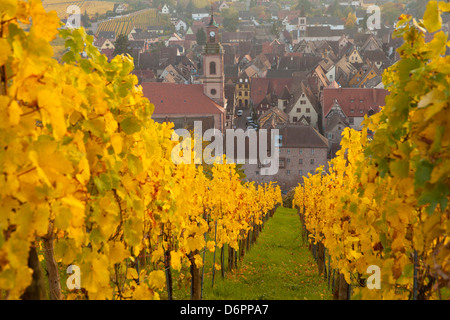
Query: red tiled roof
259	87
191	37
108	53
144	75
171	98
354	98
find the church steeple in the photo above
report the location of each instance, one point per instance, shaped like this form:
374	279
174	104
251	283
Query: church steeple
213	70
211	21
212	36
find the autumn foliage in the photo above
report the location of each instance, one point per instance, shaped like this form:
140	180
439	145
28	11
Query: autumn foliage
384	201
86	175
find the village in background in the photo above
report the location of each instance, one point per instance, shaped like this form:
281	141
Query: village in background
308	68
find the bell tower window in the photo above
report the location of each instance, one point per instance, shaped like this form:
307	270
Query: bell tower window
212	67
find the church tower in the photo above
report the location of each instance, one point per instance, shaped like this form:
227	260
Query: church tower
301	28
213	70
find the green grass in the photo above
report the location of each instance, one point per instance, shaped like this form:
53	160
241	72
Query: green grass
278	267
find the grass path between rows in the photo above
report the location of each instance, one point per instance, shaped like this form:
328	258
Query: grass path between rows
278	267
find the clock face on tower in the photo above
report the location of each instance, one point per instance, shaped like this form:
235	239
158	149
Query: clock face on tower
212	36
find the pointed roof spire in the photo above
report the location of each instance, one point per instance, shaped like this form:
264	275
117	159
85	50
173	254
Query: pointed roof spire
212	22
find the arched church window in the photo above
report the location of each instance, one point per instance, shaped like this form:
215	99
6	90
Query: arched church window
212	67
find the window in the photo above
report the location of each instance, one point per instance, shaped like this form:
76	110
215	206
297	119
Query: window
257	172
246	93
312	161
300	161
300	151
240	93
213	91
288	150
361	111
288	160
212	67
350	120
288	172
352	110
300	172
294	119
302	101
312	150
299	110
308	110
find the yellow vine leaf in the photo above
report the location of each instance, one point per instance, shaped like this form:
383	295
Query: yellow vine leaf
157	279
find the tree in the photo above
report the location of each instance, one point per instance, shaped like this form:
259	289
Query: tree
230	19
276	28
305	6
350	21
85	20
122	46
390	12
189	8
259	12
335	9
201	37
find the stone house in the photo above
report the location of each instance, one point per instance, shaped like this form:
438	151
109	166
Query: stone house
302	149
